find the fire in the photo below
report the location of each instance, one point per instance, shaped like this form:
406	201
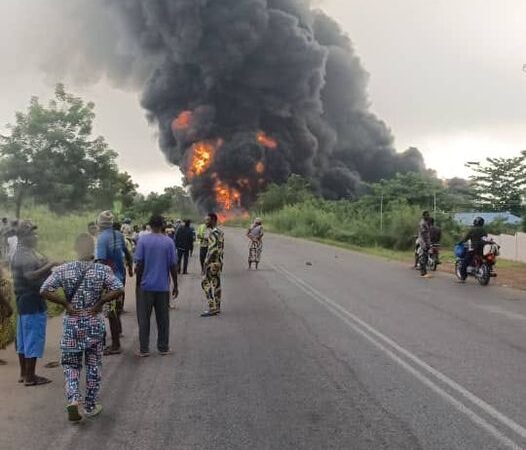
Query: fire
203	156
266	141
227	198
260	167
182	121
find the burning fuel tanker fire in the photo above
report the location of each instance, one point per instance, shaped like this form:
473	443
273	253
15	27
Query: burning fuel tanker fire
243	92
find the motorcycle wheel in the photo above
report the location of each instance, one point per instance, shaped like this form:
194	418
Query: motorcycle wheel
458	272
432	263
483	275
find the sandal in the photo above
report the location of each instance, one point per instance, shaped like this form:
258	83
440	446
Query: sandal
38	381
51	365
111	351
74	415
140	354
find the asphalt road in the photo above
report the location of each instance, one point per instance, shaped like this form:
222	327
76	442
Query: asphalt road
320	349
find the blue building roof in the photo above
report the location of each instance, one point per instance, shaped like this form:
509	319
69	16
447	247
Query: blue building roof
489	217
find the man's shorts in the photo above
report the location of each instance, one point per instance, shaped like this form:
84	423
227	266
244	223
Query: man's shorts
31	334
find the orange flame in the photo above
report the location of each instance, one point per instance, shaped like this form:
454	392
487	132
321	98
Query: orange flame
227	198
203	156
182	121
266	141
260	167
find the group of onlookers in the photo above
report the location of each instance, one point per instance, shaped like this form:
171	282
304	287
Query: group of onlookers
92	287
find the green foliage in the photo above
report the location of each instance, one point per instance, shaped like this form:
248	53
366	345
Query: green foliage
360	222
175	201
50	155
296	190
499	185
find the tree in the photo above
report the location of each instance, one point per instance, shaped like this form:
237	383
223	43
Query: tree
499	185
296	190
51	156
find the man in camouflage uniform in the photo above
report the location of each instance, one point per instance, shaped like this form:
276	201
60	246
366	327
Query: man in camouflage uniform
213	267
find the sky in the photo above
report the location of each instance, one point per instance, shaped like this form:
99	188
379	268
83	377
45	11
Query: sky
446	76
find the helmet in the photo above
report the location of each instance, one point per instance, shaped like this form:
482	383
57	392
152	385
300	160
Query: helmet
127	220
478	222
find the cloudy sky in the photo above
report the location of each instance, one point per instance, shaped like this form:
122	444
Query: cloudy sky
446	76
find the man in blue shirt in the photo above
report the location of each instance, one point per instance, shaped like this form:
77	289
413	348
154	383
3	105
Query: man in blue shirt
111	250
156	260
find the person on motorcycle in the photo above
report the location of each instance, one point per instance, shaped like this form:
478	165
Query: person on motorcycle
475	235
424	243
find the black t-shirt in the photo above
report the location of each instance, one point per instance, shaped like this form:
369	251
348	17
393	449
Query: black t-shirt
27	291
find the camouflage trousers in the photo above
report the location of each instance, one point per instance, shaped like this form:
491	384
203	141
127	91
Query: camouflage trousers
211	285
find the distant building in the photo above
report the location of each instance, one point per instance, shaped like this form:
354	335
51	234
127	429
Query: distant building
489	217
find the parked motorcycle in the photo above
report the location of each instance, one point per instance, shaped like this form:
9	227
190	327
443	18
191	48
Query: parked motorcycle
480	267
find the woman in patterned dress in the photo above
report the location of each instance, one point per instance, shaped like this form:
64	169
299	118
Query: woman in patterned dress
255	234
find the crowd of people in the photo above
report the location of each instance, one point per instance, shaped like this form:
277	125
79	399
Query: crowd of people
91	290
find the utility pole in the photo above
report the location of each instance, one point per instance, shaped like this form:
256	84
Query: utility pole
435	206
382	213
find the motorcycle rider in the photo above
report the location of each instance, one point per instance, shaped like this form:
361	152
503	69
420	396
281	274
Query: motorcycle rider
475	235
424	243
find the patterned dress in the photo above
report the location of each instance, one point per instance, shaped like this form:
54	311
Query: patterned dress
83	334
255	234
211	283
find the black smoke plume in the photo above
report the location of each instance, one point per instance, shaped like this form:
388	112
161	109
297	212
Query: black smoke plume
222	71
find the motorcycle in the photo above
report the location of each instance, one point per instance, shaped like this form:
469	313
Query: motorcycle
482	267
433	257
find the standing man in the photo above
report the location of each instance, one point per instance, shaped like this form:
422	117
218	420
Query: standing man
184	240
30	269
202	237
213	266
156	260
93	230
424	243
87	287
111	250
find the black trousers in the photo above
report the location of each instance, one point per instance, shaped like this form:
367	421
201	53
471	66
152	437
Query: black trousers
160	301
183	259
203	251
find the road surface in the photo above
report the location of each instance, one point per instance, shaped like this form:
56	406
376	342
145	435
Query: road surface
320	349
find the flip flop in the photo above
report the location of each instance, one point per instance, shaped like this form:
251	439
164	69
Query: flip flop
140	354
111	351
38	381
51	365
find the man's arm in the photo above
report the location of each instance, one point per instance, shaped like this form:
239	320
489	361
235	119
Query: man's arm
106	297
41	272
54	297
173	272
50	291
172	258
